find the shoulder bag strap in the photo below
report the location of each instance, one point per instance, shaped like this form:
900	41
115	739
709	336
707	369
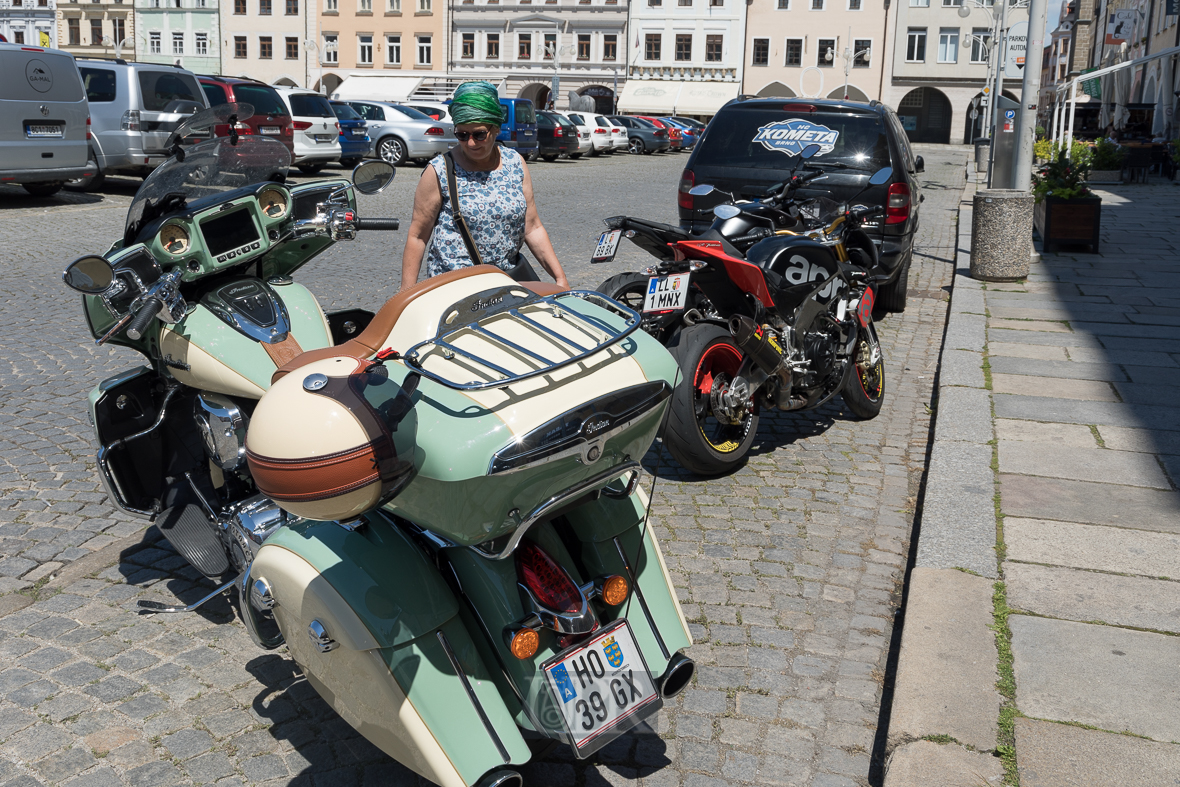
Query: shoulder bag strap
460	224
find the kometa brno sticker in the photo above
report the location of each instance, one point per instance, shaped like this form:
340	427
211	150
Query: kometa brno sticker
791	136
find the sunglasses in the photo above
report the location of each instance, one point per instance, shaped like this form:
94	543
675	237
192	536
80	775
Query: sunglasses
478	136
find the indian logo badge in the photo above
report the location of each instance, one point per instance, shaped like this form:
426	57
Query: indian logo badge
791	136
614	654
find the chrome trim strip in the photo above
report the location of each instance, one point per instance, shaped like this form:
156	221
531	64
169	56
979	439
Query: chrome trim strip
651	621
483	716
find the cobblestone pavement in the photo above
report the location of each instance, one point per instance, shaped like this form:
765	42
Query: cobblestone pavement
789	569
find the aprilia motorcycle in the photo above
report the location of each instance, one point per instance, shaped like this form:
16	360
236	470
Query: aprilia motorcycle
436	507
771	307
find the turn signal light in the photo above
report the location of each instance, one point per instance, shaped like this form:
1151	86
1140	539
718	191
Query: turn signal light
615	590
524	643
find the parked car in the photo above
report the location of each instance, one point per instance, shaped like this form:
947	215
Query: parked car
689	134
354	135
556	136
317	132
435	110
519	130
690	122
600	137
585	145
642	136
43	141
271	117
744	153
134	107
616	131
675	137
402	134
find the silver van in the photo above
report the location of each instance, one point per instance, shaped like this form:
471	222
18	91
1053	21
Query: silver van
42	119
133	109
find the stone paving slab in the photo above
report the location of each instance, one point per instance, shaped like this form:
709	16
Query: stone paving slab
1088	502
1067	369
1088	596
1093	547
958	511
1072	411
1063	435
1029	326
961	368
996	333
1155	361
1098	465
927	764
1152	375
1042	352
1057	387
964	414
1061	755
1149	441
1112	678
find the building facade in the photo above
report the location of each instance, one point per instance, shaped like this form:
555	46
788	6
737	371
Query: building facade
542	50
181	32
30	22
817	48
97	29
268	40
684	57
390	37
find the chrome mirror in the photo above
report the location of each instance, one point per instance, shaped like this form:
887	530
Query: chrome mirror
726	211
372	177
89	275
881	176
809	152
701	190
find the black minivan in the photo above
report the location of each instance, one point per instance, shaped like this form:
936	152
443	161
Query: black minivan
753	143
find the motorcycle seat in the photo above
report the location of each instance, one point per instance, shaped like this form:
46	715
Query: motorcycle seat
385	331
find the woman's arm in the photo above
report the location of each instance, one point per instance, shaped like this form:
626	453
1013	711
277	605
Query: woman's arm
535	235
427	204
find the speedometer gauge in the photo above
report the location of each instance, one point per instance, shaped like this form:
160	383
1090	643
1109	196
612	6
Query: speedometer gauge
273	202
174	239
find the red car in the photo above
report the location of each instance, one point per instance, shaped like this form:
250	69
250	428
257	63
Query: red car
271	118
675	138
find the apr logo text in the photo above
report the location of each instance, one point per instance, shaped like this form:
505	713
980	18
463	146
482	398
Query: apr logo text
791	136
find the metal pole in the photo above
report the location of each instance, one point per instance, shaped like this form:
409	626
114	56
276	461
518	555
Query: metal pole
1026	115
556	62
1056	117
1073	105
997	90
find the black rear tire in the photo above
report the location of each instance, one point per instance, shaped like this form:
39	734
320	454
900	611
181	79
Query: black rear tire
891	297
629	289
697	440
349	163
864	386
42	189
311	169
88	183
549	158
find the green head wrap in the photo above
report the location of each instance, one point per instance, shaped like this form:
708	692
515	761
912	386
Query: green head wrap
477	102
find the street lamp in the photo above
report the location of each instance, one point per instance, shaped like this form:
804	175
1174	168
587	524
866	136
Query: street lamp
848	56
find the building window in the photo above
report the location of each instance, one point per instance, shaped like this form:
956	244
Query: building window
610	47
330	55
825	54
393	50
684	2
424	54
424	6
292	47
952	3
178	43
18	36
201	41
981	39
331	6
395	6
239	46
119	29
761	52
651	46
784	5
713	49
948	45
468	52
794	52
915	48
550	46
365	6
684	47
265	48
583	47
264	7
919	3
153	43
493	46
862	53
75	33
96	32
364	53
240	7
853	5
716	3
292	7
524	46
817	5
655	3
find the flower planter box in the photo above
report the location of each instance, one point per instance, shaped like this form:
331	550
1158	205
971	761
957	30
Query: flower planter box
1068	221
1106	176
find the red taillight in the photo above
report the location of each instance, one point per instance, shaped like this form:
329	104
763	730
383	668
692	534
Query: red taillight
799	107
557	132
659	132
289	130
600	131
242	128
513	135
88	134
435	131
897	209
546	579
337	128
687	181
301	125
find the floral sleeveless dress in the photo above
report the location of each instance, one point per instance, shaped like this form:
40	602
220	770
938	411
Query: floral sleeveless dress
492	204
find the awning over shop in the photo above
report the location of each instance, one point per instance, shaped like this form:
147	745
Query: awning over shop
675	98
376	87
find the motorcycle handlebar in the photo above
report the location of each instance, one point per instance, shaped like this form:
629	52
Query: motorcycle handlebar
377	224
143	316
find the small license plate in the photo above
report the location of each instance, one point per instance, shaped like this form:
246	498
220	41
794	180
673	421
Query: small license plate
603	688
358	132
272	130
608	245
325	137
666	293
45	131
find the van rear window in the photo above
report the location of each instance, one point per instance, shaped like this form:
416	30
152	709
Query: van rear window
525	113
264	99
771	138
100	84
169	91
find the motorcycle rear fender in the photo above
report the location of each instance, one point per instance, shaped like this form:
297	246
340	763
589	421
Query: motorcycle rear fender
384	602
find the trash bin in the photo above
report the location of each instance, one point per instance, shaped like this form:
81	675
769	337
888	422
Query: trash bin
1001	234
982	146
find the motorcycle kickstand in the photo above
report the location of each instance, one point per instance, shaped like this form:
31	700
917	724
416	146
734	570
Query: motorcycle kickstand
147	607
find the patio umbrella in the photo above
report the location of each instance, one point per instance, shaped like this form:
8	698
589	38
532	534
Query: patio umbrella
1122	89
1104	111
1162	115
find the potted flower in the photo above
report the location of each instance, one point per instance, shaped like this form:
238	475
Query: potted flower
1066	211
1106	162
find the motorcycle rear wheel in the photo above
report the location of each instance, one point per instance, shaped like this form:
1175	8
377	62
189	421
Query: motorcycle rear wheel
699	441
864	387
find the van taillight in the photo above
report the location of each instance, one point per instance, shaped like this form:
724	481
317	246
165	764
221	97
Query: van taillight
687	181
897	209
546	579
130	120
88	134
513	135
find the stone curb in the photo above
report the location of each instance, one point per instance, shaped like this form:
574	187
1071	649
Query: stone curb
945	684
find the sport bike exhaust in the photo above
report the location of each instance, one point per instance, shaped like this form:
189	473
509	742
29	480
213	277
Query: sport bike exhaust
761	345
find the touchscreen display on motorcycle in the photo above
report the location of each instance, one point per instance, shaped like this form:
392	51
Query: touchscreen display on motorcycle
228	236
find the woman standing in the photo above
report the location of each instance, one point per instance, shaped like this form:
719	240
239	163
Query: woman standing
495	196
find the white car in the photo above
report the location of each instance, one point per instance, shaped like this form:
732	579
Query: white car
317	134
610	130
586	143
435	110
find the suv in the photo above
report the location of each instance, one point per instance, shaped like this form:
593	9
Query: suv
753	143
317	134
44	123
134	107
270	119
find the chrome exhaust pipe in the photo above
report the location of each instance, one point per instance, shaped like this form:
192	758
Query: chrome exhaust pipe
678	675
501	777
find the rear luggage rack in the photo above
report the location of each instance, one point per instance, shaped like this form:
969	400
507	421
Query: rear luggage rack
590	335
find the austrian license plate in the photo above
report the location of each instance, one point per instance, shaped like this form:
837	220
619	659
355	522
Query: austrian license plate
272	130
608	244
603	688
45	131
666	293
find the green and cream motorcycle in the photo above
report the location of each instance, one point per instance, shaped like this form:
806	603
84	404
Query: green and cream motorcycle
436	507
